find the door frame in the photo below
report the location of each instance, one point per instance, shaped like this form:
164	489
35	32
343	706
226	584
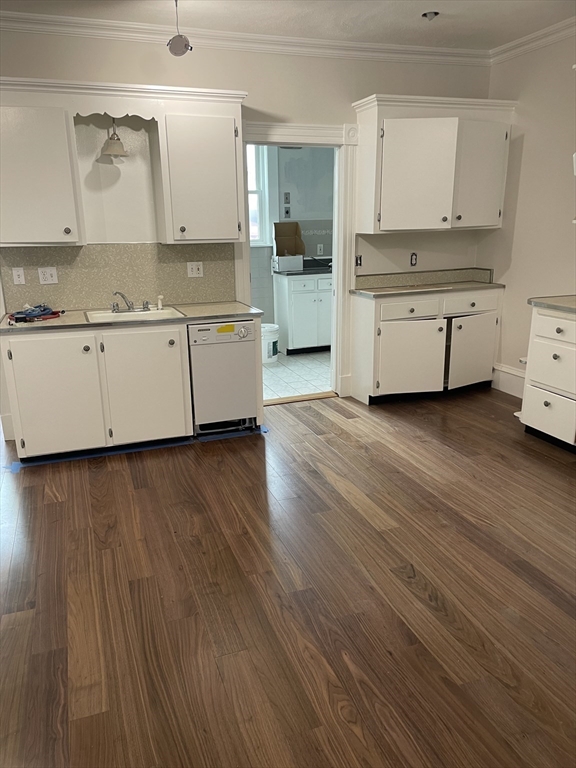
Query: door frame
344	139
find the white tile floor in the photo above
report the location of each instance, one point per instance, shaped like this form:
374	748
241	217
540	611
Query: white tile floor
301	374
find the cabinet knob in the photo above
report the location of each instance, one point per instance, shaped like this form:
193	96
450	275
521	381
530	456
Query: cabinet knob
459	217
182	229
171	343
320	301
472	303
67	230
444	218
555	356
459	327
86	348
546	403
559	330
441	329
411	310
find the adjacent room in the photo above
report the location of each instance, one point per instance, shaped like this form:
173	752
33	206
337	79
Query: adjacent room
287	384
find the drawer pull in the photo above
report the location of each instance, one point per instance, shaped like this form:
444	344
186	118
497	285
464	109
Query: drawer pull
546	403
182	229
171	343
459	327
86	348
411	310
559	330
440	329
444	218
472	303
555	356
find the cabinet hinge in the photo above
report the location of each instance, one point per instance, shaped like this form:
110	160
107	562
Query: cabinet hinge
377	385
382	133
22	443
110	433
379	332
379	217
497	321
236	131
506	139
499	213
239	226
101	346
9	354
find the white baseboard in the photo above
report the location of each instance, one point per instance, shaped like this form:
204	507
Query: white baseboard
508	379
7	426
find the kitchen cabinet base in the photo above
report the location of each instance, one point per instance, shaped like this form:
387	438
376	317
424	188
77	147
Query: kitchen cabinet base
550	439
399	396
307	349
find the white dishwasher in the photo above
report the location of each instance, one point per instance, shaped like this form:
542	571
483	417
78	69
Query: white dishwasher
224	376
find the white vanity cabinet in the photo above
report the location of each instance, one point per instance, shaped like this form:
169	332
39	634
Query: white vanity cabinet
549	401
303	311
203	165
38	177
422	343
56	394
428	173
77	390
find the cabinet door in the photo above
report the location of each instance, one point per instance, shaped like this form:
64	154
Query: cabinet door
146	381
419	157
36	188
412	356
304	320
481	162
203	183
324	318
58	392
472	349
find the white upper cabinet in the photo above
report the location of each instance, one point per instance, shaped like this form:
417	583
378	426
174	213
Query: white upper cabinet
203	173
38	177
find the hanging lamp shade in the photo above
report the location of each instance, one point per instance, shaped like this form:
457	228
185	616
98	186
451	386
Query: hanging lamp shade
113	146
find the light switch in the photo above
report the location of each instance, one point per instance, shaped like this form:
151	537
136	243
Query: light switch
18	276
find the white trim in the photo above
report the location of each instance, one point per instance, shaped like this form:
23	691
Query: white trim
292	133
165	92
435	102
548	36
47	24
508	379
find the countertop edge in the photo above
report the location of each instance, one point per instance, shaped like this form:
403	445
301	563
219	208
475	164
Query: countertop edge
547	302
382	293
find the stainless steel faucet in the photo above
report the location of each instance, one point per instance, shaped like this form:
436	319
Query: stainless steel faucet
129	304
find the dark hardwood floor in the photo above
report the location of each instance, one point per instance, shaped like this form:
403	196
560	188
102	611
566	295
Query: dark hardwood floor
387	586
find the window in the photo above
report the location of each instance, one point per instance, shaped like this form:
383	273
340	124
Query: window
256	168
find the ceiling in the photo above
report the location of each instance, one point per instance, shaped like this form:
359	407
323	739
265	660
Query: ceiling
471	24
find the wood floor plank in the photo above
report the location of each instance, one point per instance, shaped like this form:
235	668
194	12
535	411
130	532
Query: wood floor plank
94	742
50	619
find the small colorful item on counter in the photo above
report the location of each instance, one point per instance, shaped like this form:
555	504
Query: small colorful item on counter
32	314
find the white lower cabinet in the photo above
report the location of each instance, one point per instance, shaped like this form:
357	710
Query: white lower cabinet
472	349
79	390
303	311
411	356
147	384
54	381
303	321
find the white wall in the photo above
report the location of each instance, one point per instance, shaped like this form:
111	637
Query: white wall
534	253
307	175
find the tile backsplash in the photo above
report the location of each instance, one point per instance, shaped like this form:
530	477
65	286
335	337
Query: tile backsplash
429	277
88	275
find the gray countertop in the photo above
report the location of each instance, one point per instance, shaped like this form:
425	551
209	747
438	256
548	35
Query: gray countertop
409	290
76	318
300	272
558	303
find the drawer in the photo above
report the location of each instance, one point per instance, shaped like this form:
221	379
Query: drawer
553	414
324	283
303	285
553	365
553	328
407	309
471	302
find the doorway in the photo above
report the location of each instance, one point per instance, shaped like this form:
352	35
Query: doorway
291	204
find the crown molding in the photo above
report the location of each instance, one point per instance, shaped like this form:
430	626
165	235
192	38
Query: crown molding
164	92
437	102
47	24
548	36
292	133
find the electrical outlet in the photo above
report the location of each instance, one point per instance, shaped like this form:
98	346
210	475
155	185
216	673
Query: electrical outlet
286	212
18	275
195	269
413	259
287	196
320	249
48	275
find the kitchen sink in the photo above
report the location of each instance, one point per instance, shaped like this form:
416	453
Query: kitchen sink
137	315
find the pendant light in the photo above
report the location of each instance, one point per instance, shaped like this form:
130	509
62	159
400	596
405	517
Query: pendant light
179	44
113	146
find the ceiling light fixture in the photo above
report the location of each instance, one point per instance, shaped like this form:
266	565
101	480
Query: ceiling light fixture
113	145
430	15
179	44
